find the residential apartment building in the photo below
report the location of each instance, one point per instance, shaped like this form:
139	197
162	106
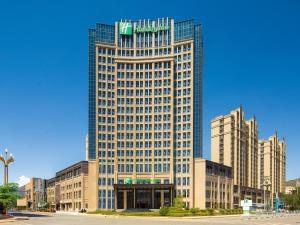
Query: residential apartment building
213	185
145	112
50	190
292	185
68	190
33	194
272	164
234	143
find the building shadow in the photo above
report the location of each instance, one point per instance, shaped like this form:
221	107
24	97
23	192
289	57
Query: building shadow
28	214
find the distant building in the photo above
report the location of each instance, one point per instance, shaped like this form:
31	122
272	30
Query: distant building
289	189
292	185
235	143
272	164
67	191
213	185
34	194
51	198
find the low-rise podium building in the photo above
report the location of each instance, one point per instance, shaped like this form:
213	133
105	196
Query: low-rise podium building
213	185
67	191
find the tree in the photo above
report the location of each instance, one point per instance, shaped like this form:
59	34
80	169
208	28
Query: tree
9	195
292	201
178	202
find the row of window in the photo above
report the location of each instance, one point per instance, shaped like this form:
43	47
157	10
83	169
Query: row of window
69	195
147	118
182	58
129	168
139	44
105	181
146	75
142	110
143	92
142	127
146	144
147	84
185	181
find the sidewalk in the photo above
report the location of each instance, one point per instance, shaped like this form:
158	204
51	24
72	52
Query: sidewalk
69	213
9	219
164	217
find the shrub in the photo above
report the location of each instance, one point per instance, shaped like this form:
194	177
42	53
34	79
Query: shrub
164	211
222	211
194	211
104	212
178	202
210	211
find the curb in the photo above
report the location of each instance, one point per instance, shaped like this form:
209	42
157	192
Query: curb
165	217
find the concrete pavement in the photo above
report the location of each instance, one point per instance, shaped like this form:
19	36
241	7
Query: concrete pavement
80	219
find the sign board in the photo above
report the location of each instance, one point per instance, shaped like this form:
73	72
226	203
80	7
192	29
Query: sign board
141	181
126	28
246	204
150	29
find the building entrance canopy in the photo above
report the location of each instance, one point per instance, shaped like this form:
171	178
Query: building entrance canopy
147	196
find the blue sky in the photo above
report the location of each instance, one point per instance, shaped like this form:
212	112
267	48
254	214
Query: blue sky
252	57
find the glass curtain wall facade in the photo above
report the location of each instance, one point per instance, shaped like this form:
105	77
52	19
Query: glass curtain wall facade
145	105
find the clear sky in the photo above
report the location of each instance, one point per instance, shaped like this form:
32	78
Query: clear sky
252	57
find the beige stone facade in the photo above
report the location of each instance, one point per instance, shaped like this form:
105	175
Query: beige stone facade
235	143
145	126
68	191
50	186
213	185
272	164
34	195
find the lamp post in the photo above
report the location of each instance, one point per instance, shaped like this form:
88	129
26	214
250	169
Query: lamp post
7	159
266	184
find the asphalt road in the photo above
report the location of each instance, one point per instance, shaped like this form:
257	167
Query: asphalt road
79	219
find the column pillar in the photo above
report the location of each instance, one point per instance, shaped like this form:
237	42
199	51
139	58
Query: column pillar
134	198
153	198
171	196
162	200
125	199
116	200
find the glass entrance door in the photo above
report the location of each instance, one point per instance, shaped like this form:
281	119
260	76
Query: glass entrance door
143	199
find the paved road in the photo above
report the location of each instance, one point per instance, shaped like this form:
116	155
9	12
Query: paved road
67	219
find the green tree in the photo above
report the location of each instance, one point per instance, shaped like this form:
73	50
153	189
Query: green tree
178	202
292	201
9	195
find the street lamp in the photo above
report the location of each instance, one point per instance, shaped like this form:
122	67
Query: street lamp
266	184
6	161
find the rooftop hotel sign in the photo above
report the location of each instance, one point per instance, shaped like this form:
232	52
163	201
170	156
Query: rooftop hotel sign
125	28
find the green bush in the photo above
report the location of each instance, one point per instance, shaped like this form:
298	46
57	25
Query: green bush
194	211
178	212
210	211
164	211
178	202
138	213
104	212
222	211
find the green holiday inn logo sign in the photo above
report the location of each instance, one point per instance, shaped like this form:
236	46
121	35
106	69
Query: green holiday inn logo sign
150	29
125	28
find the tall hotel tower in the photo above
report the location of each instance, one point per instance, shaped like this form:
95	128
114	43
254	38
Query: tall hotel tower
145	112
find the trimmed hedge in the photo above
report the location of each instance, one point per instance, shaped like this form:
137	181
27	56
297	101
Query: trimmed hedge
173	212
164	211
